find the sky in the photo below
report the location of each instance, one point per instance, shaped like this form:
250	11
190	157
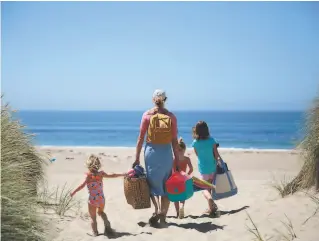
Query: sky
206	55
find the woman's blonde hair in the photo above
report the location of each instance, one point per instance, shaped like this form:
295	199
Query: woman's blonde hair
181	143
159	102
93	162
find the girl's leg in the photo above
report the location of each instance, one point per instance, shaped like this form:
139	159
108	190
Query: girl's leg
107	224
92	212
177	208
181	210
207	194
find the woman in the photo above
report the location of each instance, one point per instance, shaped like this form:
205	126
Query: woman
160	125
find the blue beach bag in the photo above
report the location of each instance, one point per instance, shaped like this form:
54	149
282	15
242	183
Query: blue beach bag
224	182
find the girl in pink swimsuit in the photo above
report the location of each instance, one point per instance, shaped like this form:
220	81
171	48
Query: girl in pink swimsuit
96	202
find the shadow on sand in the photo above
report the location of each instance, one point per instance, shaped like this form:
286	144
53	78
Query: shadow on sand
221	213
200	227
116	234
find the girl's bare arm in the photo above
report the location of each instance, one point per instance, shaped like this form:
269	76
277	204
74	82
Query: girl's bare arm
216	154
195	151
190	166
113	175
79	188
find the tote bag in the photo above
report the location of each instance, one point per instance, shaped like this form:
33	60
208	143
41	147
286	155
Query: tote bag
224	182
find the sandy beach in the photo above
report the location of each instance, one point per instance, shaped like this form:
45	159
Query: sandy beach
254	172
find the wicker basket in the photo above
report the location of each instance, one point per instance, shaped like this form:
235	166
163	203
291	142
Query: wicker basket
137	192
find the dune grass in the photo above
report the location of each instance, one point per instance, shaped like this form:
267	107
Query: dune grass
288	235
290	232
58	199
21	172
279	186
254	230
316	202
309	174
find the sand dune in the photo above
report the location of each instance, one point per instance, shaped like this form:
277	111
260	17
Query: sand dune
253	170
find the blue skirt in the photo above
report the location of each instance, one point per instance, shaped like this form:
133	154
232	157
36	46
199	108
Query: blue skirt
158	164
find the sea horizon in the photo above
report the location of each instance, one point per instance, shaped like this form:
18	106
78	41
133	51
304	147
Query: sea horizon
246	130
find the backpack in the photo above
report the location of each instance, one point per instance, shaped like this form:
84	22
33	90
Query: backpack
160	129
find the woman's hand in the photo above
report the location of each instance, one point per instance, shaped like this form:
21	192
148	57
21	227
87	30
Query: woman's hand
135	163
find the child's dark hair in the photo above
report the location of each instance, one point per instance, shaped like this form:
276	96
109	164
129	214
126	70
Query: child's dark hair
201	131
181	143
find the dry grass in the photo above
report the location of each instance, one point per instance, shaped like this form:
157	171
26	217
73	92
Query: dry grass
58	199
279	186
254	230
316	201
289	235
309	174
21	172
290	232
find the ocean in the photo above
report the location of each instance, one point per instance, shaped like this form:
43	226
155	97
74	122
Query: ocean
256	130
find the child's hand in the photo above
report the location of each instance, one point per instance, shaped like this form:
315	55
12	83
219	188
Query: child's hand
72	194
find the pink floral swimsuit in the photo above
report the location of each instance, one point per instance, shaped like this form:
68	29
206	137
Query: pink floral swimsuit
95	187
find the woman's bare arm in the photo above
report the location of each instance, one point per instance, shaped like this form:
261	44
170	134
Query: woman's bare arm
140	140
139	145
175	151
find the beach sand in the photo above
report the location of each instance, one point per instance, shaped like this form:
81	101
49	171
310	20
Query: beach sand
254	172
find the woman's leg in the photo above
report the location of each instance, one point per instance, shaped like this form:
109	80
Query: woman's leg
155	217
156	203
92	212
164	208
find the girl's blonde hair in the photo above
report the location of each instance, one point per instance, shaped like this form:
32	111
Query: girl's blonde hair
181	143
93	162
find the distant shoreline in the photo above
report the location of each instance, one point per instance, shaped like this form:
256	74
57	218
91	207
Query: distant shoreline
247	150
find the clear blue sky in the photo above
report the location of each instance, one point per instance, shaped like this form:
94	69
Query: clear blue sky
206	55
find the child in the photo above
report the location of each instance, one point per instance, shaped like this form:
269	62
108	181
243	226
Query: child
206	150
96	202
184	162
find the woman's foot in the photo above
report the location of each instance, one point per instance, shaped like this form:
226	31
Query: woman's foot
95	233
162	219
181	213
154	219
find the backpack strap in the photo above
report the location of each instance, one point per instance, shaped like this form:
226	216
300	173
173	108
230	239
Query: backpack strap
155	110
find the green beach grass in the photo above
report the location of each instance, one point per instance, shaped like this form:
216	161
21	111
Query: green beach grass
21	173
